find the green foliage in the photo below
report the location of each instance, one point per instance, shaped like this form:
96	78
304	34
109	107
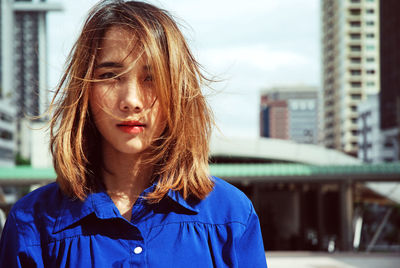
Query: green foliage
22	161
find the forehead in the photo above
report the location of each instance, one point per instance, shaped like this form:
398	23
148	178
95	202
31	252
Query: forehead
119	44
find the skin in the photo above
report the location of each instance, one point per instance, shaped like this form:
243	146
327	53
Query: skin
113	102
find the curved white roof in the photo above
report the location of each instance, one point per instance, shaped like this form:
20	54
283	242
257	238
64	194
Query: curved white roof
280	150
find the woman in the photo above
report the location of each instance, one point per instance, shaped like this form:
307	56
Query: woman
129	139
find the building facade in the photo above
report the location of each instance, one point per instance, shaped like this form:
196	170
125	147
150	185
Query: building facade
7	108
24	57
390	78
7	133
274	122
350	61
290	113
370	145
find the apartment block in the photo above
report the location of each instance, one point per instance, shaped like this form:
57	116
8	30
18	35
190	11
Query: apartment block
23	57
7	107
350	62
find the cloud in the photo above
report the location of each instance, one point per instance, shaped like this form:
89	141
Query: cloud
217	10
253	56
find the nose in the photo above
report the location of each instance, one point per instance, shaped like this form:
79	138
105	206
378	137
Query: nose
130	98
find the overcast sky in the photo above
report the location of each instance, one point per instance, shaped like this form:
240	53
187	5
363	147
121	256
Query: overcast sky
249	44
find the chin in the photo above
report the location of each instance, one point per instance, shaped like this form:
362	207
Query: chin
131	149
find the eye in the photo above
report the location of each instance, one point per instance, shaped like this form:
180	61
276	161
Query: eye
148	78
108	75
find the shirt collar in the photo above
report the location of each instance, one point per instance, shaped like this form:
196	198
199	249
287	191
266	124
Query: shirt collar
189	203
73	210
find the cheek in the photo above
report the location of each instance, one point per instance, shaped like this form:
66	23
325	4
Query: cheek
159	119
99	100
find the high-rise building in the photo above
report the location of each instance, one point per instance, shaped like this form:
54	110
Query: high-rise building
24	58
7	108
290	112
350	61
390	77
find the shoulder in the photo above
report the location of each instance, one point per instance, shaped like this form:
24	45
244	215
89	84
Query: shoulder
226	203
39	199
36	212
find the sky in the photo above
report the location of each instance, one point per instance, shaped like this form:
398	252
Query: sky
247	45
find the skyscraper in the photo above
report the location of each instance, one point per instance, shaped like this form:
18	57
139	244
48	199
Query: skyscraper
7	108
390	77
23	57
350	61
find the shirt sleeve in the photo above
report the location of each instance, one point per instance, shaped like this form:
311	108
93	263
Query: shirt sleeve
250	249
10	244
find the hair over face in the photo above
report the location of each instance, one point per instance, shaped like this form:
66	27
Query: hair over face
180	155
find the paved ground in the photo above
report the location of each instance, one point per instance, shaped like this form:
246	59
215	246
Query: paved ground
334	260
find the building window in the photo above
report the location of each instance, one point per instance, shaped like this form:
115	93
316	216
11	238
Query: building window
353	108
370	71
355	84
370	11
355	1
355	23
355	36
370	47
355	11
356	96
370	59
370	23
5	117
370	84
6	154
370	35
6	135
355	59
355	72
355	48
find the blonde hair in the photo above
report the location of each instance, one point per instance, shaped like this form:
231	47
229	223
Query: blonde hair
180	155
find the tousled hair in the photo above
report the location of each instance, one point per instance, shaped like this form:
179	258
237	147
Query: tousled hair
180	155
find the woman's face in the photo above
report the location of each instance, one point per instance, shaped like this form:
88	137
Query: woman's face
125	108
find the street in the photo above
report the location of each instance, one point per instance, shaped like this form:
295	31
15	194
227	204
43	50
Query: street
334	260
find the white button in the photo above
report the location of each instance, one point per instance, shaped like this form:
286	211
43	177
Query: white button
138	250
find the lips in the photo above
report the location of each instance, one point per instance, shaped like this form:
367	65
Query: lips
131	127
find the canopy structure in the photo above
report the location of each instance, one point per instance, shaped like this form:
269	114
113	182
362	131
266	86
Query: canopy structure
277	150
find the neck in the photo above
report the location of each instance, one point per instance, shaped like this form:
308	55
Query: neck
125	176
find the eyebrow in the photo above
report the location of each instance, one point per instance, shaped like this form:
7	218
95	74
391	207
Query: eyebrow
109	64
147	68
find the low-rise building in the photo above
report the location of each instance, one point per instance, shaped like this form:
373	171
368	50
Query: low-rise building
290	113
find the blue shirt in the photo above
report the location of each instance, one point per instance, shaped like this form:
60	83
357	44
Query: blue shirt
47	229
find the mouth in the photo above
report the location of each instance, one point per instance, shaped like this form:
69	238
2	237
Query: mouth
131	127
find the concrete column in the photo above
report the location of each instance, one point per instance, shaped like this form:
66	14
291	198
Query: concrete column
320	216
43	88
346	215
